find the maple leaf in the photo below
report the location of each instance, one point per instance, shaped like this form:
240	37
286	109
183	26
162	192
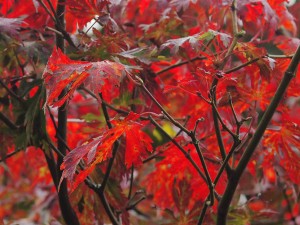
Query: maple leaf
287	45
196	40
63	73
33	14
250	51
261	15
99	149
181	4
172	169
141	54
168	25
80	12
106	44
283	141
10	25
136	150
199	33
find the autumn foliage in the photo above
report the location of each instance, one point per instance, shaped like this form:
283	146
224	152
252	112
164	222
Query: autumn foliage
149	112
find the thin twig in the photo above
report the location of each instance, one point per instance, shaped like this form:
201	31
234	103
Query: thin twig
184	124
134	204
11	93
115	147
155	155
54	30
179	64
57	151
280	56
187	155
125	112
131	182
227	71
17	78
59	23
19	62
225	162
207	175
176	123
234	136
237	122
100	189
215	83
9	155
8	122
243	65
55	14
47	10
109	167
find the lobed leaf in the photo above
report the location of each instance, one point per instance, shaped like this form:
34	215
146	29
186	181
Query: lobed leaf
81	12
181	4
196	40
99	149
10	25
63	73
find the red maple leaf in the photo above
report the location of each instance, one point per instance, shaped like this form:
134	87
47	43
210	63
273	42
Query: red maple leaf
283	143
63	73
99	149
10	25
80	12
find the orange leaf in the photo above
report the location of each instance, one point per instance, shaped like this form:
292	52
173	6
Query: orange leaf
284	143
63	73
99	149
137	145
82	11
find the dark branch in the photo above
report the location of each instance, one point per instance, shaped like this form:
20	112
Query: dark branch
237	173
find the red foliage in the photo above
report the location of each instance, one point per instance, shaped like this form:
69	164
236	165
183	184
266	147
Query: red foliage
99	148
63	73
157	96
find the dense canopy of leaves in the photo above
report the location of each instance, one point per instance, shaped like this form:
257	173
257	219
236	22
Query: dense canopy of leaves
162	100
